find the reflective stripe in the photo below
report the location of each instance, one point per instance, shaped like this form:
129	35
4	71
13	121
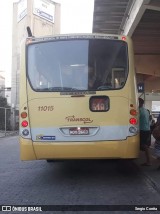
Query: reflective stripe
103	133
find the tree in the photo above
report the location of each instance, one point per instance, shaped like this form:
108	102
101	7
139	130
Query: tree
3	105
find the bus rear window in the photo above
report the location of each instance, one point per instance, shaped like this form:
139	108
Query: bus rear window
78	64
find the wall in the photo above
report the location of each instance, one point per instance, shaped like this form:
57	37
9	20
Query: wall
148	71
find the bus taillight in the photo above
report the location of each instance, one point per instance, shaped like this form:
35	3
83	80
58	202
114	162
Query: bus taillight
24	123
23	114
133	121
133	112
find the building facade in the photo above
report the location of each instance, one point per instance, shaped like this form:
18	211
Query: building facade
43	18
2	84
8	95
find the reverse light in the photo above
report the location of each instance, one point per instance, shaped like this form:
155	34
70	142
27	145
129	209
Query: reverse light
133	130
25	132
24	123
23	114
133	121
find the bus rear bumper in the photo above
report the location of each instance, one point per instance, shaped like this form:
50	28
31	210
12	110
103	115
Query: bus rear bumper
125	149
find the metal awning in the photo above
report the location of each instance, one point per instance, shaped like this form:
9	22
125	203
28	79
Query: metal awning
110	15
139	19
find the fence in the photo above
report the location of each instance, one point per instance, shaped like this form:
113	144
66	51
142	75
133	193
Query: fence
9	121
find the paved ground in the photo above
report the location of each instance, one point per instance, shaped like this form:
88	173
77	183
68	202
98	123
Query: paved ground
8	133
151	172
75	182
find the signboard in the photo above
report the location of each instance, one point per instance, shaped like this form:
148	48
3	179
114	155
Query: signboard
21	10
44	9
140	87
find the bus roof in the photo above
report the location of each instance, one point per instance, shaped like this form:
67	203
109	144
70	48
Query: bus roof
78	36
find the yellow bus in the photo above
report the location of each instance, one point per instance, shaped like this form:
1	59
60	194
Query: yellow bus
78	98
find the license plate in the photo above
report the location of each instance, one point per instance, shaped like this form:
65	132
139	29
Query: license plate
79	131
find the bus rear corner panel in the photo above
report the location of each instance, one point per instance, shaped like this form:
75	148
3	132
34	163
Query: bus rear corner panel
133	147
26	150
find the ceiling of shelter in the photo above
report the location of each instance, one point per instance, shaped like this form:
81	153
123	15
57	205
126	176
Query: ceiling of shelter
111	16
146	37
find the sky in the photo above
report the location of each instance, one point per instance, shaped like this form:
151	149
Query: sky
76	17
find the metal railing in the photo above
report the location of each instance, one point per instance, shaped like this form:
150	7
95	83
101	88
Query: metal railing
8	121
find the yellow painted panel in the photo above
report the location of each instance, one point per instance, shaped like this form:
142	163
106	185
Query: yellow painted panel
26	149
80	150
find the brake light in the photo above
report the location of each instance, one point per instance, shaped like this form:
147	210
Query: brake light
133	121
23	114
24	123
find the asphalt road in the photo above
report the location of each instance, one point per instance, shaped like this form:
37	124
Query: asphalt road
82	182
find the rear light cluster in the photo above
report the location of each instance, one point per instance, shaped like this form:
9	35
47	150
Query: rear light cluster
24	123
133	119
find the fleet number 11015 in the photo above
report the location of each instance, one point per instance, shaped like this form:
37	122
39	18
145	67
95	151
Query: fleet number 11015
45	108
